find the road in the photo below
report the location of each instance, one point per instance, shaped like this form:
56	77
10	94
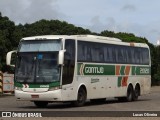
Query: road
150	102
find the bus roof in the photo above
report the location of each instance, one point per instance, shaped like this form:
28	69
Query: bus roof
77	36
89	38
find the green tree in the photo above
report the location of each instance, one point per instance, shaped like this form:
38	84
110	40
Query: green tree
6	38
156	65
53	27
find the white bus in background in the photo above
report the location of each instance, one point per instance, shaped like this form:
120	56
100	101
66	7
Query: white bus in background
77	68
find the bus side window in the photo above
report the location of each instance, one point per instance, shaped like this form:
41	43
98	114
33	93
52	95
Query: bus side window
133	58
119	55
69	62
97	54
145	56
108	54
129	55
89	57
101	54
137	56
113	54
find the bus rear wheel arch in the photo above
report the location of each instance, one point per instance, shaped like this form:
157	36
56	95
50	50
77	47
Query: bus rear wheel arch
81	97
129	95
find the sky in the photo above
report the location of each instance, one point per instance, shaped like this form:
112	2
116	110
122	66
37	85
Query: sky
140	17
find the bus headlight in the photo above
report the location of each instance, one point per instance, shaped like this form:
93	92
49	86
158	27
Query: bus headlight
18	88
54	88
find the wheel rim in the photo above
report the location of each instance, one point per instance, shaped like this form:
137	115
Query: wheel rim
81	98
136	92
129	94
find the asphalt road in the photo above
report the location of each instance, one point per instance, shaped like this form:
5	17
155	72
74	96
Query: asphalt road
150	103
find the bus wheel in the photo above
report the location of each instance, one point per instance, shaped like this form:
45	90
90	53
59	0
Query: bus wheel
81	98
136	92
129	97
41	104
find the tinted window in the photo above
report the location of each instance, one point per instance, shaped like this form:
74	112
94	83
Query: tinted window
107	53
69	62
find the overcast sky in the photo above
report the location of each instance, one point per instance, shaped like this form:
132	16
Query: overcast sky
141	17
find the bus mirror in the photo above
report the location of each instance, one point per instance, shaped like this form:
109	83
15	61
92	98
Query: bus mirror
9	58
61	57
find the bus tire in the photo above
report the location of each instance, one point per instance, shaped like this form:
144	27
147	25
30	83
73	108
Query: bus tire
81	98
41	104
130	93
136	92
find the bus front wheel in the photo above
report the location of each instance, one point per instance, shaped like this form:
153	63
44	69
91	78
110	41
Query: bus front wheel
41	104
81	98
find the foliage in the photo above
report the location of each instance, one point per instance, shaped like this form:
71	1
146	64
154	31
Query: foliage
6	38
126	37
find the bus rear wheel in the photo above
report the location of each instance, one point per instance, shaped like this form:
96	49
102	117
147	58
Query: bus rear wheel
81	98
130	92
136	93
129	97
41	104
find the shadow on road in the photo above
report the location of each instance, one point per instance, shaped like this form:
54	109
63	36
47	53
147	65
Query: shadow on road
68	105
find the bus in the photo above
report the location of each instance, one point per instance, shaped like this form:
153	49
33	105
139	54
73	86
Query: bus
79	68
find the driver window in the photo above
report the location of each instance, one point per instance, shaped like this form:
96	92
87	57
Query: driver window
69	62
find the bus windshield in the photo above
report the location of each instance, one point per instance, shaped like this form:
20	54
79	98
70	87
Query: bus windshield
38	64
40	45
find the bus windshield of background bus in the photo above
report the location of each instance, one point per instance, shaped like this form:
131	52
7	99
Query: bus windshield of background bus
38	63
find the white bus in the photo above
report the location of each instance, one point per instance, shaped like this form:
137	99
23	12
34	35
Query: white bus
77	68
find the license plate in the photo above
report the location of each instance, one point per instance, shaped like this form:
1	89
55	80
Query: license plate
35	96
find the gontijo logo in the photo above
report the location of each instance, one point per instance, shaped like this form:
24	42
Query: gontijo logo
94	70
91	69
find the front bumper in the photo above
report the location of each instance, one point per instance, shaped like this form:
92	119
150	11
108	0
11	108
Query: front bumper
42	96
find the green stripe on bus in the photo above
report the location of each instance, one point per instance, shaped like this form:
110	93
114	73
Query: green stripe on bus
36	85
90	69
133	70
143	70
119	81
122	70
94	69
